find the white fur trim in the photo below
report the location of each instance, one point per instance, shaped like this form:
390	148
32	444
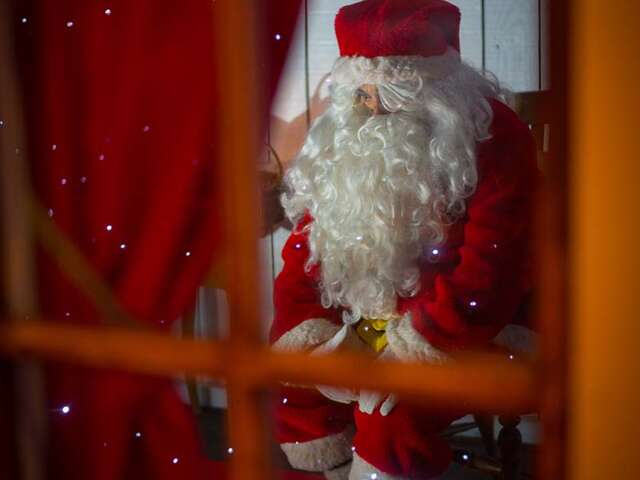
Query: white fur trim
408	344
321	454
362	470
338	473
518	339
306	335
380	70
346	339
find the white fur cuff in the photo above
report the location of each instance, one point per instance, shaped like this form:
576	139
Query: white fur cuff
408	344
362	470
306	335
338	473
321	454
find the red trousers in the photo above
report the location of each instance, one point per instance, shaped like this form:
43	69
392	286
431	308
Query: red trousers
318	434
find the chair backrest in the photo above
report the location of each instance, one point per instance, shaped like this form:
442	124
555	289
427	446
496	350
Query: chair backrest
534	108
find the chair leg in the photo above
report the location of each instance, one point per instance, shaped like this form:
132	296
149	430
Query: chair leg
510	445
485	425
188	329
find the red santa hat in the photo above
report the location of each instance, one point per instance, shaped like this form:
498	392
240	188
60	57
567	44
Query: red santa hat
380	40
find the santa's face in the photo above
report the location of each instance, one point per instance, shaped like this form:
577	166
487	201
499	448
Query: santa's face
367	99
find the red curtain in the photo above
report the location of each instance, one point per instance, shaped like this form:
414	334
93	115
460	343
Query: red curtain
121	116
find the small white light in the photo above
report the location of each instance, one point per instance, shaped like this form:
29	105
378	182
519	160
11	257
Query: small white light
65	409
465	457
187	254
353	449
374	476
107	11
23	19
473	303
63	181
101	157
230	451
278	36
285	400
359	237
146	128
1	123
435	251
83	179
123	246
67	314
138	435
366	329
175	460
70	24
511	356
50	212
54	147
109	227
495	245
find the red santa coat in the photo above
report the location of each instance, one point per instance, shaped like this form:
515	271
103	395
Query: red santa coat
471	287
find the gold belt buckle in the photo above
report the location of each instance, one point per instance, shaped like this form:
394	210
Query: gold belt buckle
372	332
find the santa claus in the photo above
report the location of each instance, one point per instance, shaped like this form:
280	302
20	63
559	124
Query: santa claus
412	198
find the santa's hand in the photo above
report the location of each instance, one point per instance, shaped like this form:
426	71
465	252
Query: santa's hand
369	400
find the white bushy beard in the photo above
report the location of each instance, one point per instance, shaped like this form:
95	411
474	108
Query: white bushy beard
383	189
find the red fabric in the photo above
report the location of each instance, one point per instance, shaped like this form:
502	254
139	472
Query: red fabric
382	28
121	114
295	294
407	442
486	259
484	272
306	415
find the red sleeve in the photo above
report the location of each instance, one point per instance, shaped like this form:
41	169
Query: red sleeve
486	269
296	295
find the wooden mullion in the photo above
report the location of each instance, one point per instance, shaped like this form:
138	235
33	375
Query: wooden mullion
158	354
26	387
242	102
553	253
141	351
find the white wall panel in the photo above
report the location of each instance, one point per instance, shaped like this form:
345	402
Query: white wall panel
323	49
511	42
545	39
470	31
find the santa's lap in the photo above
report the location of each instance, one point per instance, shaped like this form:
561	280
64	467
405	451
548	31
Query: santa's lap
318	434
